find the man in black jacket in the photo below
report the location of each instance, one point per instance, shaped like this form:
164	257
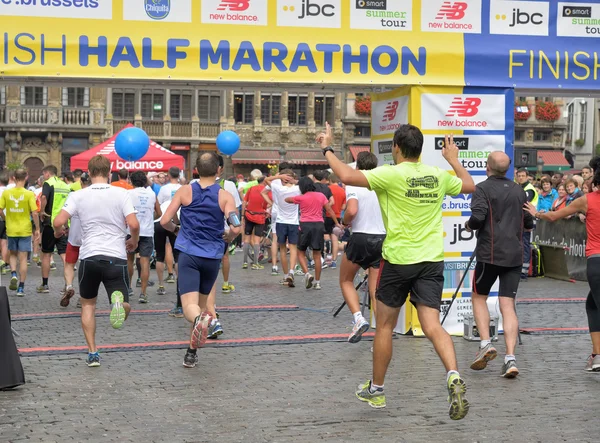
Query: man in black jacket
498	216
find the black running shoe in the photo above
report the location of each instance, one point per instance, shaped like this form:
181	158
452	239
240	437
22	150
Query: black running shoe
190	360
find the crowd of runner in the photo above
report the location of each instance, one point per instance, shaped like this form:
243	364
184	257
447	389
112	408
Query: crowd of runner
385	220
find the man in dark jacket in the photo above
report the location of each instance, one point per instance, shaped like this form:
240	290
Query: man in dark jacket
498	216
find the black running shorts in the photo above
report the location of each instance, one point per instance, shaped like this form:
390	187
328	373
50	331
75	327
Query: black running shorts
311	236
111	272
49	241
486	275
329	225
424	281
365	249
256	228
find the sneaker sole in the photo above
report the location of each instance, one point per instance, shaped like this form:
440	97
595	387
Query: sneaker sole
459	405
373	405
309	283
481	363
186	365
117	313
93	365
355	338
66	299
143	301
511	373
14	284
200	332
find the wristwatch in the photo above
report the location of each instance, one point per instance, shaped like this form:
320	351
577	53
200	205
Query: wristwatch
328	149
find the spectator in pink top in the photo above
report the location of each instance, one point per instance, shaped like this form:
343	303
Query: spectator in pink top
312	227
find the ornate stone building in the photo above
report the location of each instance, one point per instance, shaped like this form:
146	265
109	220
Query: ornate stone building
42	125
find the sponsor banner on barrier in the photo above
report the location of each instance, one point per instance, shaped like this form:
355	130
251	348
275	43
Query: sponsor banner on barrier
391	15
519	17
461	202
463	112
158	10
578	20
388	115
240	12
456	237
473	150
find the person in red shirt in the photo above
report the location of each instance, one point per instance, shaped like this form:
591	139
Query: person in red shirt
312	227
254	209
339	205
589	205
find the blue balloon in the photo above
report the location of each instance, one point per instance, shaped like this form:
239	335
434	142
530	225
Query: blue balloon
132	144
228	142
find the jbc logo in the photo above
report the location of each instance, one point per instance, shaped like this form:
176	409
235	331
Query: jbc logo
312	9
460	234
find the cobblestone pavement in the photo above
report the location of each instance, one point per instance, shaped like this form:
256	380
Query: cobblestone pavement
285	393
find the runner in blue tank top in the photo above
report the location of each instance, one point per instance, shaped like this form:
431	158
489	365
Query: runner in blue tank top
200	241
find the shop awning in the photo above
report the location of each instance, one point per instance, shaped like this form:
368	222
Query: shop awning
255	156
355	150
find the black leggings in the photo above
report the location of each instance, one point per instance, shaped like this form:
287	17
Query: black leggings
160	242
592	304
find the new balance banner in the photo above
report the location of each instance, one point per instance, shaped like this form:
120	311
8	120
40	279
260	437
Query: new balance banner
501	43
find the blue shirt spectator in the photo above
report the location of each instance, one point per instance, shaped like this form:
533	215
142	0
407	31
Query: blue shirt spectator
547	196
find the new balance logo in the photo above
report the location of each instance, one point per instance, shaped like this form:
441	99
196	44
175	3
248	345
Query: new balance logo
390	111
452	11
469	107
234	5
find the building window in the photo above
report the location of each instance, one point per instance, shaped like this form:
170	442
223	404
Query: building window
65	163
123	104
243	109
519	135
34	96
521	99
270	109
297	110
181	105
2	95
583	121
76	97
362	131
324	110
543	99
153	103
542	136
209	106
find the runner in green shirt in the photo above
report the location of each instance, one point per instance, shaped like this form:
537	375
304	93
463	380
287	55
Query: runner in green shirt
410	196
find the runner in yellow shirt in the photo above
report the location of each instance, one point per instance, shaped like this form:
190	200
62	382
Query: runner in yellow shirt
20	207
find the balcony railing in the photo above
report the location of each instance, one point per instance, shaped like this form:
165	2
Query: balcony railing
181	129
153	128
118	125
77	117
209	130
33	116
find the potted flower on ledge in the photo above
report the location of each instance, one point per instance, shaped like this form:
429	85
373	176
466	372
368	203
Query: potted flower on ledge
522	111
362	105
547	111
580	143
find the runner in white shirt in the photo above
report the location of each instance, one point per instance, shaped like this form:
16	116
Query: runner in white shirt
165	195
287	221
145	204
73	245
167	192
105	211
364	247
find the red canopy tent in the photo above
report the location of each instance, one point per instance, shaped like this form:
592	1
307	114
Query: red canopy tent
156	159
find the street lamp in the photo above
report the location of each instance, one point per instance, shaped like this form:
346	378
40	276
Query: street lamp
540	167
282	153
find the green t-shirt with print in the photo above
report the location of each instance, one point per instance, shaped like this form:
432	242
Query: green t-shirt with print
410	196
249	185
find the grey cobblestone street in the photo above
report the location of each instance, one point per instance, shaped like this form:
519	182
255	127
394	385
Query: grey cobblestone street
297	392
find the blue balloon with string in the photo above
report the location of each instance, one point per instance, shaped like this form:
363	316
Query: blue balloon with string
132	144
228	142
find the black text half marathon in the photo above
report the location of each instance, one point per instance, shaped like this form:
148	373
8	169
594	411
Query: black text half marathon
28	49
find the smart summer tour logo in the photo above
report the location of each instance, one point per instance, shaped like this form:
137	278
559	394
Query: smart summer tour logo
391	15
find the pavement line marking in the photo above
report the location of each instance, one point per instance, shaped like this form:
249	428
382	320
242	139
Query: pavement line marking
103	313
289	339
551	300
